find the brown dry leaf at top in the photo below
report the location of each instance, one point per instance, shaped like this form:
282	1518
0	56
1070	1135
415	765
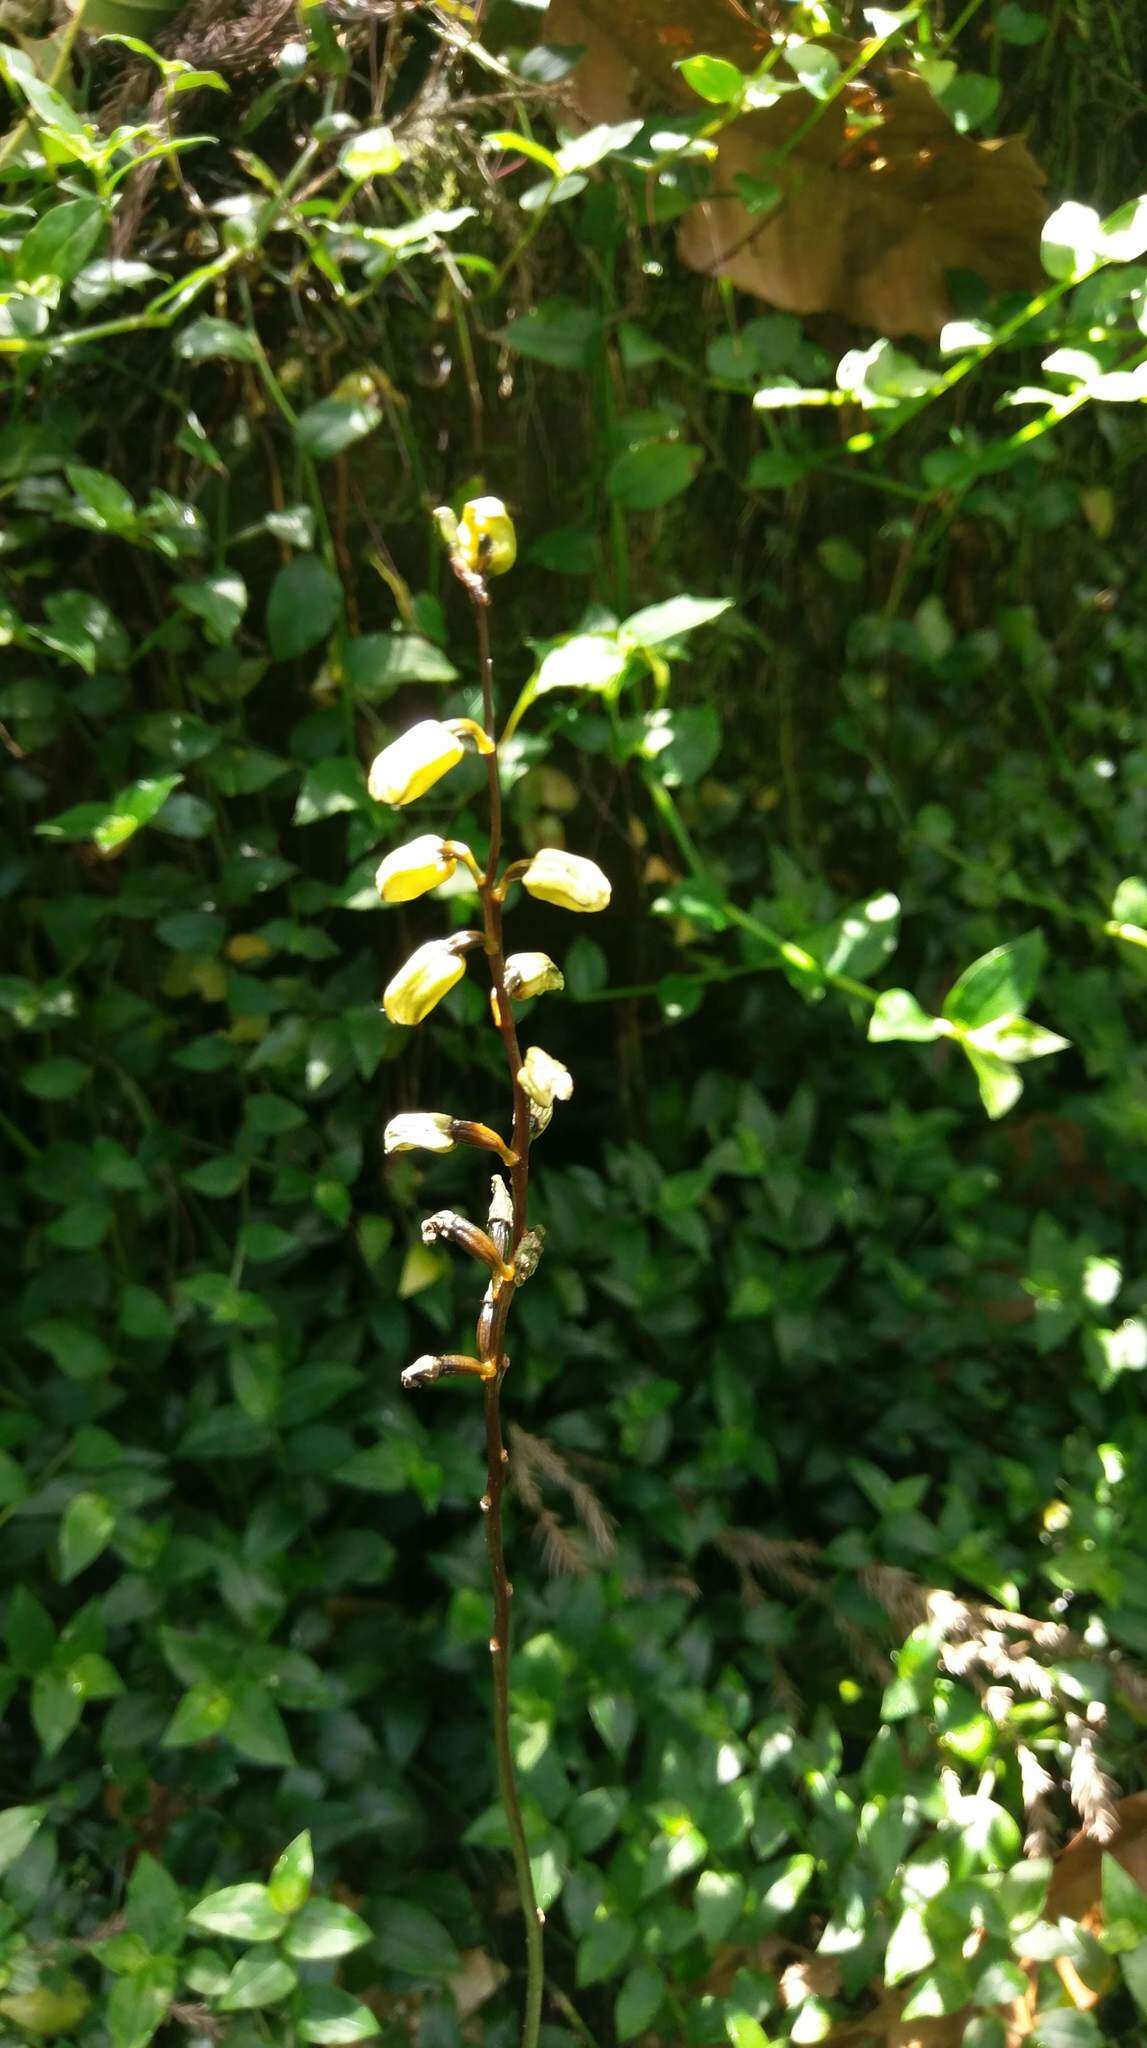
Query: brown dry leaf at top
871	234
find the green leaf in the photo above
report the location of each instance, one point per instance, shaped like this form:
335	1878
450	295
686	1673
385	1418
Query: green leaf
28	1632
842	561
256	1727
411	1940
43	2011
217	1178
14	1486
713	79
91	1677
615	1719
657	623
329	787
18	1824
593	145
645	478
56	1709
372	153
1129	911
1015	24
602	1951
638	2002
257	1980
776	470
718	1903
897	1015
208	340
998	1082
304	605
1017	1039
139	2003
77	1352
85	1532
586	969
111	825
220	601
146	1315
106	276
61	241
329	2016
909	1947
202	1713
881	376
586	661
55	1080
1071	243
242	1911
1124	1908
335	424
557	332
377	664
50	106
509	139
1000	984
743	2031
324	1929
1067	2029
1134	1968
970	100
153	1908
940	1992
815	66
289	1884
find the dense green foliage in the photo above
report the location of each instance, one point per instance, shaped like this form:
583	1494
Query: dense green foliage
827	1372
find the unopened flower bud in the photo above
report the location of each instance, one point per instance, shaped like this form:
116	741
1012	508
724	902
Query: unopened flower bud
411	765
419	1130
428	975
469	1237
567	879
447	523
500	1221
544	1079
531	974
528	1256
446	1365
411	870
486	543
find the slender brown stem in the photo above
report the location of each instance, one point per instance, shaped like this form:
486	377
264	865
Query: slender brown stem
494	1348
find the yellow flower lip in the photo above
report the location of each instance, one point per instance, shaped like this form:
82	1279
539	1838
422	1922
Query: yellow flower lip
567	879
429	974
412	764
531	974
411	870
544	1079
485	542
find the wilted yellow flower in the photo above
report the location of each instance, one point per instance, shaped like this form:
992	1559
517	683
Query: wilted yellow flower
419	1130
486	542
544	1079
567	879
428	975
410	766
411	870
531	974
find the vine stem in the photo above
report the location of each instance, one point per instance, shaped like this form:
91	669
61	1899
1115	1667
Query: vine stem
497	1457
